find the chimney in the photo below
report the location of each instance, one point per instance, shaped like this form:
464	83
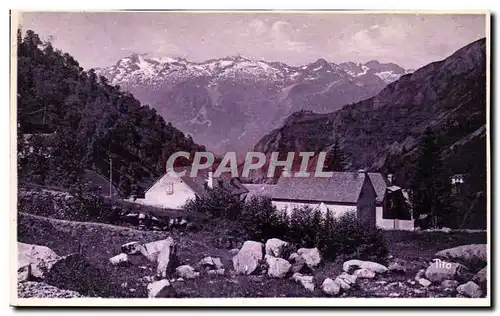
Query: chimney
390	178
360	171
210	181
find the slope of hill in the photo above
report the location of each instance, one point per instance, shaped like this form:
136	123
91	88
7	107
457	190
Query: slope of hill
449	96
229	103
89	121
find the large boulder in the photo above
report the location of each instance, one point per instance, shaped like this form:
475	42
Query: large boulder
40	258
248	258
311	256
276	247
470	255
167	258
438	271
450	284
330	287
305	280
24	273
161	289
298	264
481	278
152	250
186	272
470	289
277	267
373	266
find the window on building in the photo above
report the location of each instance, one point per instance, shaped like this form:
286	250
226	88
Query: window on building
170	188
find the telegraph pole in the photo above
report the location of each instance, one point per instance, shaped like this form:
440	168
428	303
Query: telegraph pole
110	175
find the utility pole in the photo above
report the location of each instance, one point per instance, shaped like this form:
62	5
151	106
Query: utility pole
110	175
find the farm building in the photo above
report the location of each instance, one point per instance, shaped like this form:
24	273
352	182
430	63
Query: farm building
392	209
172	192
342	193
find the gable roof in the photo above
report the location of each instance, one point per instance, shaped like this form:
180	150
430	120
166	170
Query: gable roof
199	183
380	184
341	187
259	190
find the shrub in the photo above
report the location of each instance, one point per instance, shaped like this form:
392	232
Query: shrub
218	203
261	220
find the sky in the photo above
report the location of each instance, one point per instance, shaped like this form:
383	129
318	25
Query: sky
409	40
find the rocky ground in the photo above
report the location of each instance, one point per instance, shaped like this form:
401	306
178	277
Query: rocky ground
111	261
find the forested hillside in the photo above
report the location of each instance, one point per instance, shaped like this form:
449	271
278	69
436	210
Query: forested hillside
78	121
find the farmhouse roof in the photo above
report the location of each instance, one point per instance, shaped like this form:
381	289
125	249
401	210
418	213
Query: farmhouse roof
199	183
380	184
341	187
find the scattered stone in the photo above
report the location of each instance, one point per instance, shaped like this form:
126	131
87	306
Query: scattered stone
481	278
131	248
394	294
299	264
187	272
217	272
40	258
381	282
247	259
439	271
180	279
132	290
450	283
120	259
167	258
152	250
424	282
470	289
466	254
343	283
161	289
330	287
277	267
211	263
364	273
305	280
124	284
276	247
349	278
420	274
311	256
375	267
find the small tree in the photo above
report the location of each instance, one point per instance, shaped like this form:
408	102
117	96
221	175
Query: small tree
335	158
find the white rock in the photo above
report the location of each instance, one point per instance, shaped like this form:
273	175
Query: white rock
276	247
40	258
211	262
450	284
167	258
278	267
119	259
424	282
160	289
152	250
330	287
311	256
247	260
187	272
374	266
217	272
364	273
343	283
466	254
439	271
470	289
349	278
305	280
24	273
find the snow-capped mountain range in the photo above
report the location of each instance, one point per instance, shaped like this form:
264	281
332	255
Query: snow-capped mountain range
142	69
229	103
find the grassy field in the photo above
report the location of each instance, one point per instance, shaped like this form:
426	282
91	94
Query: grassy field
98	242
